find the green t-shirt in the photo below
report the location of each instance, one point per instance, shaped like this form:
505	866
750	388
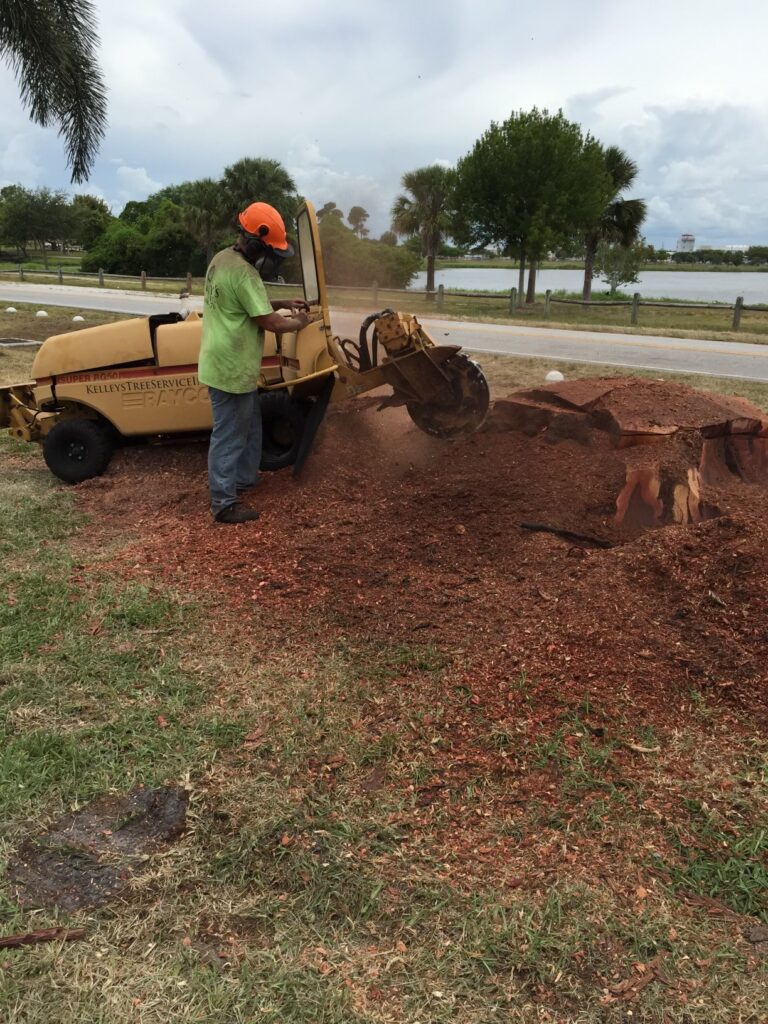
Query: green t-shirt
232	344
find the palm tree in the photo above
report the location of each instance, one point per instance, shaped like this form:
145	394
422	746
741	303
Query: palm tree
357	217
51	48
260	180
423	211
205	213
621	219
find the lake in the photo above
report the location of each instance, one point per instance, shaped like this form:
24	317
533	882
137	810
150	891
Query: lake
714	286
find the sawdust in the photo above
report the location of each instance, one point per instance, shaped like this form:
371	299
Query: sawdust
397	536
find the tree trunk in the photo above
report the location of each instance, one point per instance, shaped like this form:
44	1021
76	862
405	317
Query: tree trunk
589	267
530	297
44	253
430	276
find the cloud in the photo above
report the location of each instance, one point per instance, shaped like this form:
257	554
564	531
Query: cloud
320	181
349	96
135	183
703	172
19	163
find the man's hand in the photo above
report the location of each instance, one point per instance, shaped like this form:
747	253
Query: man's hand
279	324
295	305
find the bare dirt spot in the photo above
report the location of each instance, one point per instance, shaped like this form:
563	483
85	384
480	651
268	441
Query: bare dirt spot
87	858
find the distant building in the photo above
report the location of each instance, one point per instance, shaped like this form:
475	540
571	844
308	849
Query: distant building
735	248
686	243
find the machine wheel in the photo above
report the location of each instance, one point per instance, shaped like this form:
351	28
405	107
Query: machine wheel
282	424
463	410
77	449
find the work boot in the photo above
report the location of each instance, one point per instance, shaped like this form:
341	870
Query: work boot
236	514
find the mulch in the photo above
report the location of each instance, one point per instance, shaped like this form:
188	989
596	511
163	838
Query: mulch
397	537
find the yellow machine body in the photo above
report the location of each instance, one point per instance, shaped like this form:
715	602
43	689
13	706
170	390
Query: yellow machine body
138	378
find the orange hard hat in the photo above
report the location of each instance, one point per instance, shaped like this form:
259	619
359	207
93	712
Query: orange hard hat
264	222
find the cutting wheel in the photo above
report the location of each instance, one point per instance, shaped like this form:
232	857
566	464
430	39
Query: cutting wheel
464	406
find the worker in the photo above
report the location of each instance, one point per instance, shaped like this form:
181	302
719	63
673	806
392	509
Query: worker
236	312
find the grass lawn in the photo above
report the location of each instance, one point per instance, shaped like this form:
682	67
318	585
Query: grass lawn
305	890
25	325
317	882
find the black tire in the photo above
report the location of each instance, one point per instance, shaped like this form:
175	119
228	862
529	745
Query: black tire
282	424
78	449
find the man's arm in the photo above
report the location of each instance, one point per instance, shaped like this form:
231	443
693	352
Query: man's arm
293	304
282	324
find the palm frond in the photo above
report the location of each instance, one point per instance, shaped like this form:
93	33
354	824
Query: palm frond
50	46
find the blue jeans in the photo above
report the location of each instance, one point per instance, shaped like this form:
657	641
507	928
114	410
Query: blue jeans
235	450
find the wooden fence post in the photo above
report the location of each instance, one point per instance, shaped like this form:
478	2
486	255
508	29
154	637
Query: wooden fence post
547	300
61	276
375	295
143	280
635	308
737	312
512	300
101	277
189	283
440	297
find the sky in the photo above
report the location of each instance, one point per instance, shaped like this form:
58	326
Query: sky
352	94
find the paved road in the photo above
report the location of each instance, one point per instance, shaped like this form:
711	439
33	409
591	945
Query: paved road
712	358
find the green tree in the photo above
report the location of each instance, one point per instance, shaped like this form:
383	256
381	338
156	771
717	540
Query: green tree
527	184
619	264
357	217
423	211
620	219
388	238
654	255
49	219
120	250
51	48
16	217
90	219
205	214
329	209
757	254
260	180
169	250
158	210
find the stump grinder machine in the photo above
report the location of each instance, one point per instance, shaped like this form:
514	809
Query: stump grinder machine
136	380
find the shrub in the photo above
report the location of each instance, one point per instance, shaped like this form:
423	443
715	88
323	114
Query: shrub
120	250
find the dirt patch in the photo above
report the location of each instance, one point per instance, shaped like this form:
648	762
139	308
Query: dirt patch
88	858
393	535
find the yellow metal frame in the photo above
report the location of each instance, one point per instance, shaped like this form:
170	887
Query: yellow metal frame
145	384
